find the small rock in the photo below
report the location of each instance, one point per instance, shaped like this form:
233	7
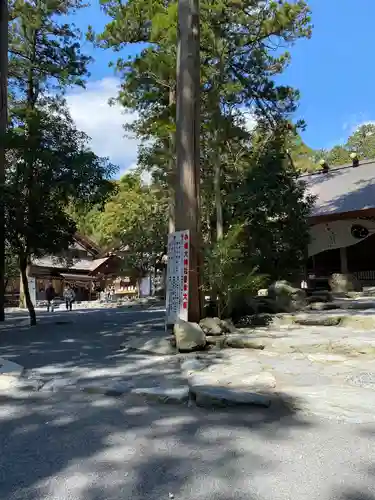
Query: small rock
211	326
189	336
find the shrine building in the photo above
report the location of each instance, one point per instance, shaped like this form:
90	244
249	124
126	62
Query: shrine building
343	221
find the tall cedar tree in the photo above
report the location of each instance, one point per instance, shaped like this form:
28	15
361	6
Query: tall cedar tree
238	66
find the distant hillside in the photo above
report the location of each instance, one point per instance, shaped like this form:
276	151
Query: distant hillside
306	159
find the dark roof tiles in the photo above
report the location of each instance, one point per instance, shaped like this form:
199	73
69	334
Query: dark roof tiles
342	189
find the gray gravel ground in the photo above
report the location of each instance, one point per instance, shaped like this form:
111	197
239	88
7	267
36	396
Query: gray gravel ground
66	445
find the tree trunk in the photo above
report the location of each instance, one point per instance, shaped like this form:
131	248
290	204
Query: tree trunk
218	204
171	170
25	286
3	128
187	143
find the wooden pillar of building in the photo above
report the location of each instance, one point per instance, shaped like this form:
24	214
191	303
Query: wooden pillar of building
343	261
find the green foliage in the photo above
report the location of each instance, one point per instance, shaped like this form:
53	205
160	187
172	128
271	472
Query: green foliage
239	66
238	61
49	169
274	211
49	162
11	264
135	221
228	273
362	142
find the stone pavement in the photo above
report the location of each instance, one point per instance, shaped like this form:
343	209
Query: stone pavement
327	371
63	443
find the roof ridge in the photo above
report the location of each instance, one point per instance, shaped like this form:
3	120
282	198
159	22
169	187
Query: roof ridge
339	167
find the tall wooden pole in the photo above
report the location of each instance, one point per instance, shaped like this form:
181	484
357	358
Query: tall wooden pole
3	127
187	142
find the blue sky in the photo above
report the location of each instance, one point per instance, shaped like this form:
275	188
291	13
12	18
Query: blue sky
334	70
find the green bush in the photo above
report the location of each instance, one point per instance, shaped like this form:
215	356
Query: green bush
228	275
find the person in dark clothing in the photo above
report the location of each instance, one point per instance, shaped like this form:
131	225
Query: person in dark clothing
50	295
69	296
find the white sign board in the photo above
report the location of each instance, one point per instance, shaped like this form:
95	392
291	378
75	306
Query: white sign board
32	289
145	287
338	234
177	305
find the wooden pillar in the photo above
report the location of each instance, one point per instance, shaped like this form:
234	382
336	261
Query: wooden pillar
343	260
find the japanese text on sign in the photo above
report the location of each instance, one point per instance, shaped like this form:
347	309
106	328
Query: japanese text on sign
178	276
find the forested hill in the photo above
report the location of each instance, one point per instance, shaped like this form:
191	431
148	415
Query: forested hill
362	141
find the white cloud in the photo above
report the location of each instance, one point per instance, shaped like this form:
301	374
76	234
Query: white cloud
92	114
250	120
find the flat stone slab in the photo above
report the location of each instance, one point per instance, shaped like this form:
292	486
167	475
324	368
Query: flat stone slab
244	342
224	396
365	380
10	368
160	346
106	389
338	402
177	395
317	320
58	384
326	358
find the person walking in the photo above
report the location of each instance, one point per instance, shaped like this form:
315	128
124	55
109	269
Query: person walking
69	296
50	295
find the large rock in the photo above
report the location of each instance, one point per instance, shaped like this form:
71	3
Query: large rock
286	297
343	283
189	336
212	326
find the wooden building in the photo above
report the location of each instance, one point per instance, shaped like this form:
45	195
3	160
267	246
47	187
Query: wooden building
83	266
343	221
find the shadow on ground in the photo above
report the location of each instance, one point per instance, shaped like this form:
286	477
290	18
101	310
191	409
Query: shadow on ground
79	447
71	445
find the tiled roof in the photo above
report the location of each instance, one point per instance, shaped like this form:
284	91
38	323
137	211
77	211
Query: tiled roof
51	261
342	189
75	265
